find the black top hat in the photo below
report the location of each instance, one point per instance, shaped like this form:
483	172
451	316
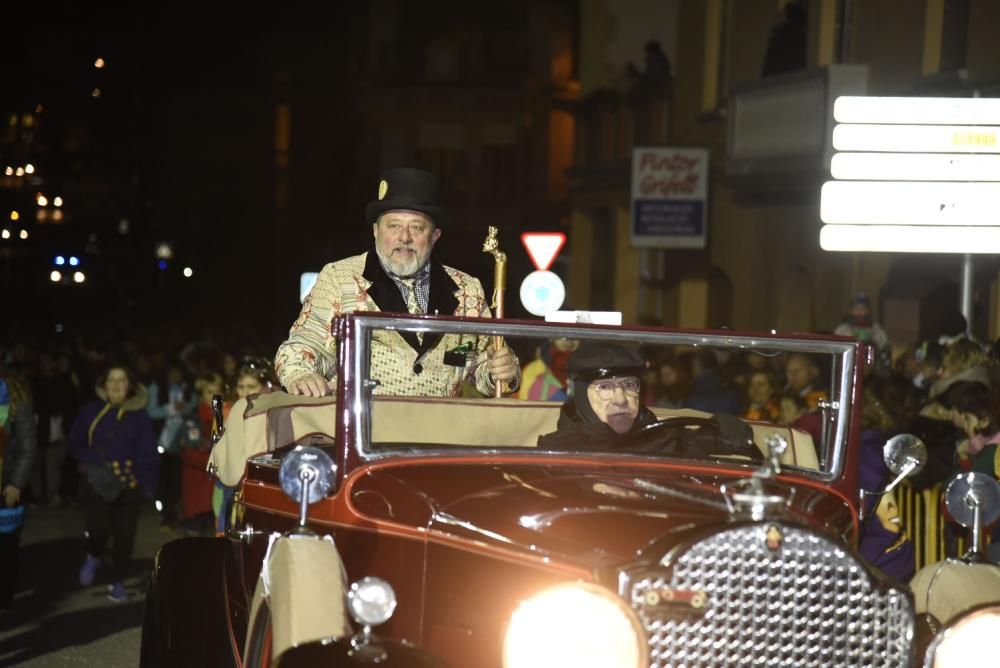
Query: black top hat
406	188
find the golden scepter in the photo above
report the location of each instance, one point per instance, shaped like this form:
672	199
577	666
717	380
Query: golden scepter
492	246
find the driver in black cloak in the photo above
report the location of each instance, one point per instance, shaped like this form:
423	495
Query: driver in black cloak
605	411
605	404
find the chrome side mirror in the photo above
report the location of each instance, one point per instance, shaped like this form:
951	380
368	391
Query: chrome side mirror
904	455
973	500
306	476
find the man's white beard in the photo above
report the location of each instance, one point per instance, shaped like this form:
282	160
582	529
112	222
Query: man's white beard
404	269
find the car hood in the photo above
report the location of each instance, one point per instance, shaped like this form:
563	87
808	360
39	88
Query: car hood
591	515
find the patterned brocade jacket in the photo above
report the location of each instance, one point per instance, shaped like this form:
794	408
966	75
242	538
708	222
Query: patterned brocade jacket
402	364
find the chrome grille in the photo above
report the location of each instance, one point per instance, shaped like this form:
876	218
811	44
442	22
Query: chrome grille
807	603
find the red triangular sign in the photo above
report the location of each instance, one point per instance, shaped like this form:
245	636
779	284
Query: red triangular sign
543	247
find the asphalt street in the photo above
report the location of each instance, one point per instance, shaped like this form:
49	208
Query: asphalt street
56	622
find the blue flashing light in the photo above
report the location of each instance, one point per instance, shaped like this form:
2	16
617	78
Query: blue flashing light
162	264
60	260
73	260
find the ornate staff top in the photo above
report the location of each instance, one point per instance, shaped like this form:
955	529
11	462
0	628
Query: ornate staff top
492	246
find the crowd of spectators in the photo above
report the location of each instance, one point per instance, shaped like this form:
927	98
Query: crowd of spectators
943	390
122	418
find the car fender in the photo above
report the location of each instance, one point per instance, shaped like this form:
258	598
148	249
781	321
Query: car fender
299	598
189	618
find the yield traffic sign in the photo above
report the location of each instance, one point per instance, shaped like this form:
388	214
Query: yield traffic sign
543	247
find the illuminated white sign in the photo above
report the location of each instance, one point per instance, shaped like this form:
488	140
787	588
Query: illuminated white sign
910	239
909	203
917	110
588	317
917	138
669	206
915	167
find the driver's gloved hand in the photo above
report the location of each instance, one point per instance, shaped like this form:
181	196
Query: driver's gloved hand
737	435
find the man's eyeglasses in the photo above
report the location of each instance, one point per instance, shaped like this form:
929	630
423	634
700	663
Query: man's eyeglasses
605	389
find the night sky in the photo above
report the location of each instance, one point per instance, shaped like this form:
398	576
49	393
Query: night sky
175	135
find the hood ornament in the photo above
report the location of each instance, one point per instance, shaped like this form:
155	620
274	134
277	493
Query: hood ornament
750	494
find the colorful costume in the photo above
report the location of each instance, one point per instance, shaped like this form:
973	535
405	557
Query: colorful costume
402	362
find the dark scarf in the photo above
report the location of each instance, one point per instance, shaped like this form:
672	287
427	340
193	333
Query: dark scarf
386	295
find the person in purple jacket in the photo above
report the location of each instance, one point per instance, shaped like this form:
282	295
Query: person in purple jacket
884	543
112	439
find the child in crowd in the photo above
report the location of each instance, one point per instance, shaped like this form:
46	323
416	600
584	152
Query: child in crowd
196	445
171	404
252	376
794	413
761	403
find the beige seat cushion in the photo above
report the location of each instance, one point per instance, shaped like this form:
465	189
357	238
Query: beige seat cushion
518	423
276	420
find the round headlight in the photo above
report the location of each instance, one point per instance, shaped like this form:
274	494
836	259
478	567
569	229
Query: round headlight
371	601
968	642
575	624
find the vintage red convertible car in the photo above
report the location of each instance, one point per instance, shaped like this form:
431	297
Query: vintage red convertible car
414	531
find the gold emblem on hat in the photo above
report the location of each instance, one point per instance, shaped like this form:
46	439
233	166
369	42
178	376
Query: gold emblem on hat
383	189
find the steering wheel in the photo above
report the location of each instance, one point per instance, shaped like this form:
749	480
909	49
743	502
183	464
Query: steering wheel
669	436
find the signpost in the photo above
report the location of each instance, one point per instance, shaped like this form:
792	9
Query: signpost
669	197
542	291
914	175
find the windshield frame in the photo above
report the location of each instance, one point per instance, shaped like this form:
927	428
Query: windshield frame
358	393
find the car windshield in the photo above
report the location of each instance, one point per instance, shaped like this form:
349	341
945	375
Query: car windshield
600	391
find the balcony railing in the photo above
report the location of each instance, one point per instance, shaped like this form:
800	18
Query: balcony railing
610	123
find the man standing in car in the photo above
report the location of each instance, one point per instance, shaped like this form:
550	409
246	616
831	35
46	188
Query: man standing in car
402	276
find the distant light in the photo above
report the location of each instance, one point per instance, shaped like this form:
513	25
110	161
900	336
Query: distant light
162	264
29	168
23	234
188	273
74	261
9	171
5	234
79	277
95	93
159	504
59	328
57	215
164	250
123	226
99	63
14	215
19	171
55	276
42	200
60	260
774	331
57	200
39	108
